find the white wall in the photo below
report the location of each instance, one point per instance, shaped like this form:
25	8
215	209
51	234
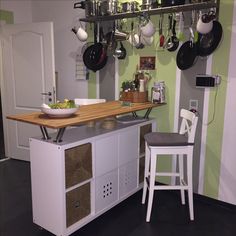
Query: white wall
64	17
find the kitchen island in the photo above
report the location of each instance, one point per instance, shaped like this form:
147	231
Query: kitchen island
91	170
85	114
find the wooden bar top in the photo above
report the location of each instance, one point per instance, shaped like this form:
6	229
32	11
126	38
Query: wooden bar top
85	114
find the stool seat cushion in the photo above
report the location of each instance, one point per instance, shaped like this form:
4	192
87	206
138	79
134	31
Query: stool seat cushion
166	139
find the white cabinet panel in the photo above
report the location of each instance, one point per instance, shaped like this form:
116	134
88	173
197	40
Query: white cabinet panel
128	178
106	190
106	154
128	145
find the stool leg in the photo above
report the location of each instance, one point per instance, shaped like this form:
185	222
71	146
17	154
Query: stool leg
181	172
146	172
151	184
190	182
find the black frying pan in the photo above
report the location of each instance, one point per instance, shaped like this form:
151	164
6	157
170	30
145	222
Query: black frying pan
95	56
207	43
187	55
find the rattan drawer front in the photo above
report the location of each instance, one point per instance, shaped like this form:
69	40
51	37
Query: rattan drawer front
78	204
78	164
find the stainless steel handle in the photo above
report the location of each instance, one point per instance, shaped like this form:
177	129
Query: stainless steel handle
49	94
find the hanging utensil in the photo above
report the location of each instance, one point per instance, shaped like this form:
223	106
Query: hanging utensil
161	35
174	39
169	42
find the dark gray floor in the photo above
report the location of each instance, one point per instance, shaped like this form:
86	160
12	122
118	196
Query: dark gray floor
169	217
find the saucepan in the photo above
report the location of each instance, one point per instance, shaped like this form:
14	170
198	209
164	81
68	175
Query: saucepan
205	22
208	43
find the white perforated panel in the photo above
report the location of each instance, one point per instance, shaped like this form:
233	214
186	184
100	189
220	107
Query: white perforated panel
106	190
128	178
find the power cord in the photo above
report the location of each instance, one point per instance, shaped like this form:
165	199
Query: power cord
214	110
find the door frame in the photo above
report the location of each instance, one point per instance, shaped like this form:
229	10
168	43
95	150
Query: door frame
8	17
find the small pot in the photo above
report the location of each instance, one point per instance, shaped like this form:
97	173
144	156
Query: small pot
122	53
129	6
90	7
204	24
208	43
148	29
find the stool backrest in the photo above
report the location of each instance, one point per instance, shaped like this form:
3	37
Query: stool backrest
189	124
88	101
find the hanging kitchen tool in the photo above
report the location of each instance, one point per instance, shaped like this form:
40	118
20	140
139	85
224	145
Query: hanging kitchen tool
169	42
208	43
174	39
187	54
121	52
111	42
161	35
95	56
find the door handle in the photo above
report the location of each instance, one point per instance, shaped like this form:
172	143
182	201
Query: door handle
48	94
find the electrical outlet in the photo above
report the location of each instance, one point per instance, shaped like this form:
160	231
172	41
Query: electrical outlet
193	104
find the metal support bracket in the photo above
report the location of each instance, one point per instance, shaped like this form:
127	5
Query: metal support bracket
59	135
44	133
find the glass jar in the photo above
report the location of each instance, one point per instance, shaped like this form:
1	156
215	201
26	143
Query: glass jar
158	92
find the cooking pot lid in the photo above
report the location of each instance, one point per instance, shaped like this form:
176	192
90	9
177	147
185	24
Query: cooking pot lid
207	43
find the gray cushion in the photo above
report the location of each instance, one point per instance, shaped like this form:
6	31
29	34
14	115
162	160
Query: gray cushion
166	139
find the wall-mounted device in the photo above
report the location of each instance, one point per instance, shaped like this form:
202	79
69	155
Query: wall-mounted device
207	80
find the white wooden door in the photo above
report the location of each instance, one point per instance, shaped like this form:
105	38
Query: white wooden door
27	52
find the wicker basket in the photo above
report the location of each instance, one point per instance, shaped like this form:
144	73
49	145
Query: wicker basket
134	96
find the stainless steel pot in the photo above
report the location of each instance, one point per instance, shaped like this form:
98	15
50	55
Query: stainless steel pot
148	4
91	8
129	6
108	7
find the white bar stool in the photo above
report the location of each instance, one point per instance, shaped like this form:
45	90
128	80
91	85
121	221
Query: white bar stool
179	144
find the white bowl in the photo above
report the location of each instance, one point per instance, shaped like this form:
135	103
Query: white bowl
59	113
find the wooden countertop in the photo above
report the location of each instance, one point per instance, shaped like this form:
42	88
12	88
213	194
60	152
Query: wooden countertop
84	114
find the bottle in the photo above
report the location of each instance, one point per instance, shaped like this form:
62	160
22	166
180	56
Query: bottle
142	85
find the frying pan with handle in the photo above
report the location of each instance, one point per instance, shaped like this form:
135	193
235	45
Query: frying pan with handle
187	54
95	57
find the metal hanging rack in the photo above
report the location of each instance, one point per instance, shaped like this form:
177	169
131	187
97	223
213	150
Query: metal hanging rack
156	11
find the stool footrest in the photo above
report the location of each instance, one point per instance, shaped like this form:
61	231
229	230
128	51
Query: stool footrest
170	187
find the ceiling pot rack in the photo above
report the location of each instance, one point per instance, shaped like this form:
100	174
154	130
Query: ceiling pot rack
156	11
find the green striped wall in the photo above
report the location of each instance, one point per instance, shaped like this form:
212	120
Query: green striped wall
215	129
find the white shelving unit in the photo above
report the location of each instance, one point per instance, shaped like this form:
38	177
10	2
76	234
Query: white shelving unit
92	170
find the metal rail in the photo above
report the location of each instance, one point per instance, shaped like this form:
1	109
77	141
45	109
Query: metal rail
156	11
